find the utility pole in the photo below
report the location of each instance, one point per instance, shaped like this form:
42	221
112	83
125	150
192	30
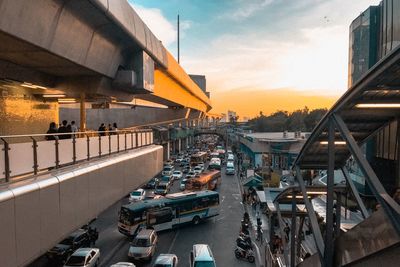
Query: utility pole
178	26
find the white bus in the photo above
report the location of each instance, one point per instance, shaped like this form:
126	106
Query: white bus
168	212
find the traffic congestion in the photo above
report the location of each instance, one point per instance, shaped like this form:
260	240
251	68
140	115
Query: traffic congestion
186	195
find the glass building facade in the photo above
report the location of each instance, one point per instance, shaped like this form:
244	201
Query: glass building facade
373	35
390	26
364	43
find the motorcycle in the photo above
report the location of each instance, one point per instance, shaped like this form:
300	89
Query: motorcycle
247	254
244	239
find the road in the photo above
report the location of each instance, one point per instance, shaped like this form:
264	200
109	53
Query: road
219	232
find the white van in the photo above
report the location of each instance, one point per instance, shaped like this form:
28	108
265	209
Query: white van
201	255
230	168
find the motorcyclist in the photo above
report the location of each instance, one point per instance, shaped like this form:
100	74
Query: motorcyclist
244	247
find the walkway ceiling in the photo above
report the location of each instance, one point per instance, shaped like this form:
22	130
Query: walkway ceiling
368	106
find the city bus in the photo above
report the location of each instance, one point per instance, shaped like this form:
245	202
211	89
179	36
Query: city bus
199	157
168	212
206	181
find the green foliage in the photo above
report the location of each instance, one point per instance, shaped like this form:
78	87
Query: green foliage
298	120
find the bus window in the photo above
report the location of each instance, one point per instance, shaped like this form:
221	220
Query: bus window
186	206
159	216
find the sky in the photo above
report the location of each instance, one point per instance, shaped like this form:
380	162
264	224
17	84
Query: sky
260	55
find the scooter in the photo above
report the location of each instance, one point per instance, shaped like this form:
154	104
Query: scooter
247	254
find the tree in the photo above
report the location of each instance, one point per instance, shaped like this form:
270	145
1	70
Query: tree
279	121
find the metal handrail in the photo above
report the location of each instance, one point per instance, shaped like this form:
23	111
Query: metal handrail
76	133
120	143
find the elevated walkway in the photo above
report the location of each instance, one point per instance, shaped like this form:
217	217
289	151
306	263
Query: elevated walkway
38	212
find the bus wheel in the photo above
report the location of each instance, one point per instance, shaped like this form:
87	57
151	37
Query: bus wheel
196	220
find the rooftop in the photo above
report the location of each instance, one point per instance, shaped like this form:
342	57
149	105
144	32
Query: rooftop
278	136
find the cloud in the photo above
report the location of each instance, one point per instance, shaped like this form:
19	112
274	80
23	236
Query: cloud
245	9
158	24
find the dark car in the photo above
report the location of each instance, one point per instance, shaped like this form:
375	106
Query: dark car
79	238
151	184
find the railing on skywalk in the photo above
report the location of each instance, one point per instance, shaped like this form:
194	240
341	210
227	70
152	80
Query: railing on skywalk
26	155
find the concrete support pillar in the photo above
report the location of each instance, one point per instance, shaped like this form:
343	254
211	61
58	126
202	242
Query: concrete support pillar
166	150
82	113
179	145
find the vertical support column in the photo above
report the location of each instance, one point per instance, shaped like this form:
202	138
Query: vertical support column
293	232
338	213
35	156
82	111
398	153
328	255
7	170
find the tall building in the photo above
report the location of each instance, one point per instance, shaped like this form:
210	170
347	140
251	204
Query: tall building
390	26
373	35
364	43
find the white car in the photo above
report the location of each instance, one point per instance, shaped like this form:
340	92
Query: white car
176	175
123	264
197	170
167	171
166	260
84	257
137	195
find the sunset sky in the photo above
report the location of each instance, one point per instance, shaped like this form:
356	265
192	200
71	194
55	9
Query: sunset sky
260	55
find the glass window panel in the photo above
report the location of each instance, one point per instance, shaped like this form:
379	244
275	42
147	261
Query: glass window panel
21	158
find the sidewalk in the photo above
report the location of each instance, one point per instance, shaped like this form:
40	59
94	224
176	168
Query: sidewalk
260	246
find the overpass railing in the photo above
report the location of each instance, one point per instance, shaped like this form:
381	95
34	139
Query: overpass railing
26	155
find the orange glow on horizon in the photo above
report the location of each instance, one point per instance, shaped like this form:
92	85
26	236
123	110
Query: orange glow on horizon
249	103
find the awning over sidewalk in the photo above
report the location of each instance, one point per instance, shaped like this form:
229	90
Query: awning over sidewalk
253	181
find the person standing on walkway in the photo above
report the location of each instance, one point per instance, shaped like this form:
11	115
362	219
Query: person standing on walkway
115	127
65	128
74	128
52	129
102	129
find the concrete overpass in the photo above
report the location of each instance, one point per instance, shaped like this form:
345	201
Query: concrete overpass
87	52
91	50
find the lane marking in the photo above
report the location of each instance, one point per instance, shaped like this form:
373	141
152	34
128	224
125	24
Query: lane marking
173	242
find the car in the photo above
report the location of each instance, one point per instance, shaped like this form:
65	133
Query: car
201	255
166	260
84	257
77	239
161	189
230	168
167	171
215	163
186	169
190	174
179	160
123	264
201	165
152	183
176	175
137	195
231	157
165	180
143	245
182	184
197	170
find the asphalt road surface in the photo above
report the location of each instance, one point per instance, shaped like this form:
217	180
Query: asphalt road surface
219	232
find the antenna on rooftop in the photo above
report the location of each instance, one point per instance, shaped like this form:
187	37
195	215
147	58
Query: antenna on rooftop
178	40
